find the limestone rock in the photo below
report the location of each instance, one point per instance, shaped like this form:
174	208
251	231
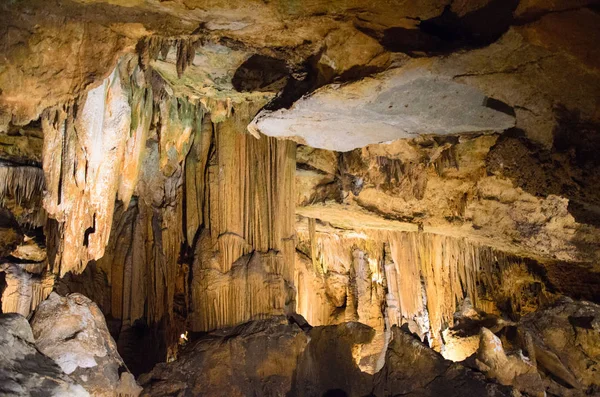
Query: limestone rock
478	187
38	38
24	371
22	146
411	368
72	331
565	340
507	369
392	105
90	142
244	254
257	358
337	346
414	369
27	285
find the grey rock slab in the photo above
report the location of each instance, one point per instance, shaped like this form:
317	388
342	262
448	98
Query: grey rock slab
391	105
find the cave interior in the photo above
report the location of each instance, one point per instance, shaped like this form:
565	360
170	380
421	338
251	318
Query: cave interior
300	198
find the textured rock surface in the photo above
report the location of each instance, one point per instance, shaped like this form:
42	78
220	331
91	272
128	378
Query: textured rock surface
159	206
565	344
276	358
72	331
27	285
24	371
507	370
83	156
413	369
253	359
423	275
476	187
392	105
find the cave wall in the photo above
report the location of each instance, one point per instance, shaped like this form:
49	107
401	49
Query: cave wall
202	235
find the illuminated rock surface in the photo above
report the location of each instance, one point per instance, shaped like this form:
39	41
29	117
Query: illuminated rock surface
390	106
24	371
73	333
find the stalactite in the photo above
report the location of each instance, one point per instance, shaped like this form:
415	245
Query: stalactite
83	154
27	285
431	274
178	118
141	102
186	51
425	277
196	164
23	185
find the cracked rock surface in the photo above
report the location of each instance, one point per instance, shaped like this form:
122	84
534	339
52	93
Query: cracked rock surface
24	371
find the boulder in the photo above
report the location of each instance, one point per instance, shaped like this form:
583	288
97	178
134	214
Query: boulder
413	369
277	358
564	340
24	371
253	359
72	331
507	369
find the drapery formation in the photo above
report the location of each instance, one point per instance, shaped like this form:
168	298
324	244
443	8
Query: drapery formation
244	258
202	235
425	277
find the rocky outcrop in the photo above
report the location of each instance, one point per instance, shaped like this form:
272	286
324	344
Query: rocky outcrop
507	369
413	369
563	341
393	105
24	371
72	331
38	39
473	187
253	359
273	357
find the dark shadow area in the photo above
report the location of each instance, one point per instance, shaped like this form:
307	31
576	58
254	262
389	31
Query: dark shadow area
258	73
11	234
450	32
499	106
142	346
303	80
576	280
335	393
2	286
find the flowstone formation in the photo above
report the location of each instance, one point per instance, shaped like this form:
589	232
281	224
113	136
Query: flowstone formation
325	198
